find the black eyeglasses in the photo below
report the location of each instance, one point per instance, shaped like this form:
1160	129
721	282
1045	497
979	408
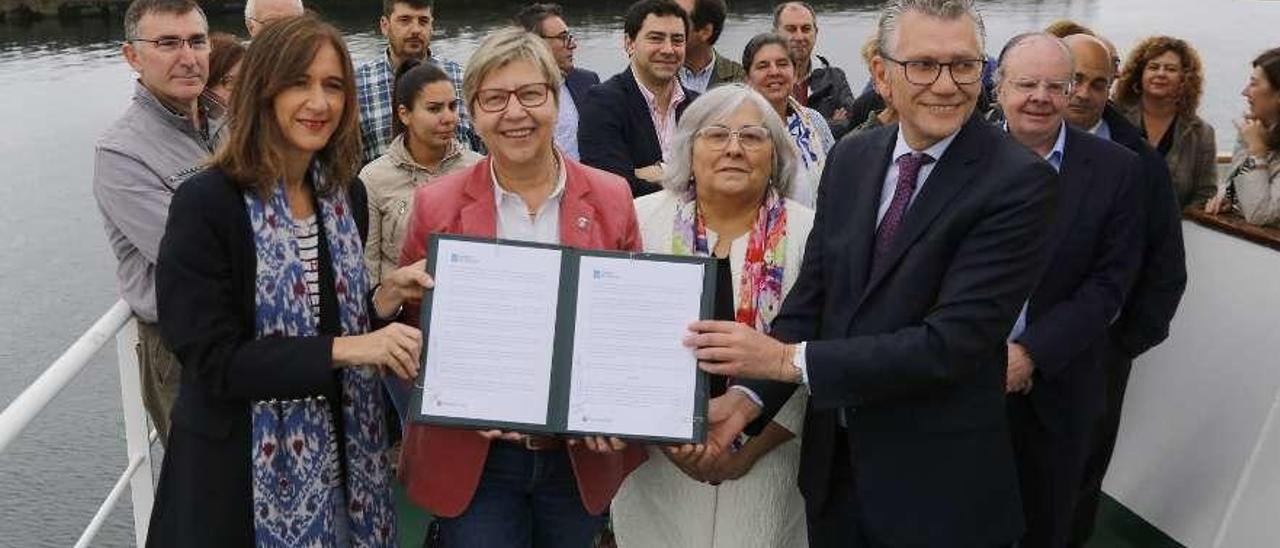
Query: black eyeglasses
565	37
528	95
926	72
173	43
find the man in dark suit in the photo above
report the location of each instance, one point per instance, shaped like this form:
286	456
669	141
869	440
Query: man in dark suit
1055	366
547	21
819	85
928	237
627	122
1153	300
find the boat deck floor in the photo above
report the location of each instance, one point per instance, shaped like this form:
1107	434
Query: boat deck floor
1117	527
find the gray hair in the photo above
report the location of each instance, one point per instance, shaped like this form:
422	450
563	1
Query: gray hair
718	104
140	8
251	6
887	28
1028	38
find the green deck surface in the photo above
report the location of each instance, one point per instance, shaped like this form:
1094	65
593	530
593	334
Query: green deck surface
1117	526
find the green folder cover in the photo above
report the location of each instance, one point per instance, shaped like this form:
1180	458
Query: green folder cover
563	344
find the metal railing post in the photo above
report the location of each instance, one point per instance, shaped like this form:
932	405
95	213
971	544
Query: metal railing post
136	429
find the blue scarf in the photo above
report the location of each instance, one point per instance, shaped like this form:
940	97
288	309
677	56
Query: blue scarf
296	473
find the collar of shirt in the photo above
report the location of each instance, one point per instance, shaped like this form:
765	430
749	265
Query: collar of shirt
663	125
677	96
386	56
816	62
209	111
935	150
513	220
1101	129
698	80
501	194
566	133
900	148
1054	157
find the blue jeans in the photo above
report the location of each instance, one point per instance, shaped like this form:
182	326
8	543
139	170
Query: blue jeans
526	499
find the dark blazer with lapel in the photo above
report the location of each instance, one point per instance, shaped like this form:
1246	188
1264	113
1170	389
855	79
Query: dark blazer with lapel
616	133
579	82
206	278
915	349
1162	277
1096	244
829	90
726	71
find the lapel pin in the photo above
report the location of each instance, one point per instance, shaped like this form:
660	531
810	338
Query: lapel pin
583	223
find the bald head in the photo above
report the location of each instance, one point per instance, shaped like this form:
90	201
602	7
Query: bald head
1034	48
257	13
1093	76
1034	81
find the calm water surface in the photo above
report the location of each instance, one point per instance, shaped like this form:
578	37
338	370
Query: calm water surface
62	83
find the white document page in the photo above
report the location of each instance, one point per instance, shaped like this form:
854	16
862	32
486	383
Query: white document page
493	320
631	374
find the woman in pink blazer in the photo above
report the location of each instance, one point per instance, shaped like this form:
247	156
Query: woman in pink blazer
508	489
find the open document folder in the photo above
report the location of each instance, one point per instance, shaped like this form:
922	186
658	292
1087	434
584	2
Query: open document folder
547	339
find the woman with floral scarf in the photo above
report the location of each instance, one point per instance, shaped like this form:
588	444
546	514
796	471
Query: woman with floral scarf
727	196
263	295
771	72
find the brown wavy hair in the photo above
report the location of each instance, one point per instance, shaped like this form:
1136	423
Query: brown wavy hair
1129	88
277	57
225	50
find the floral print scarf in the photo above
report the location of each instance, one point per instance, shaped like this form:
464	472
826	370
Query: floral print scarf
760	290
297	476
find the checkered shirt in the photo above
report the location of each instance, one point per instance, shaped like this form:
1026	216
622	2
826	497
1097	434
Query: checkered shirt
375	81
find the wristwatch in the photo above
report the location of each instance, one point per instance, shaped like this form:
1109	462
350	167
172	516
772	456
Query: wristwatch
798	365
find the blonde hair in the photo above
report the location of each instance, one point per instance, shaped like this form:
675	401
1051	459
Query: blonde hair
501	48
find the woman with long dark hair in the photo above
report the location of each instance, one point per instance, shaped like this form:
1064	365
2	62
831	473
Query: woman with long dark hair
263	295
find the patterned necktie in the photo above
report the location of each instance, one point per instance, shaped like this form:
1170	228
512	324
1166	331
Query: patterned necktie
908	171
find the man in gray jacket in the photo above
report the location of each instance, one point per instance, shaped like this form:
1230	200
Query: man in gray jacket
163	138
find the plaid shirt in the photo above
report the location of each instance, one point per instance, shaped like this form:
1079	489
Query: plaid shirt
375	81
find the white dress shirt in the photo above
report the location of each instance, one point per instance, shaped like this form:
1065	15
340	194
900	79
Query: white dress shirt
567	123
514	220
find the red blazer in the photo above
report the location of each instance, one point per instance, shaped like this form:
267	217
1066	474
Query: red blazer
440	466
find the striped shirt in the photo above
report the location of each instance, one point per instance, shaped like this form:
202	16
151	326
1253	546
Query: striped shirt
307	232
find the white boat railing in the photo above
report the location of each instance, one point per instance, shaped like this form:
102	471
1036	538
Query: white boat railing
117	322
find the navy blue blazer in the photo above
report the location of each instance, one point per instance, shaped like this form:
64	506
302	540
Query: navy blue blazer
616	133
1162	277
915	350
579	81
1096	242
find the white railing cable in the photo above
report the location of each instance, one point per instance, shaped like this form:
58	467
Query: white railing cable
86	538
15	418
137	430
138	433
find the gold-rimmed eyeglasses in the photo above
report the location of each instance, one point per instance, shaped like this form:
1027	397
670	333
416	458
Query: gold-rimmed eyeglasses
718	137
